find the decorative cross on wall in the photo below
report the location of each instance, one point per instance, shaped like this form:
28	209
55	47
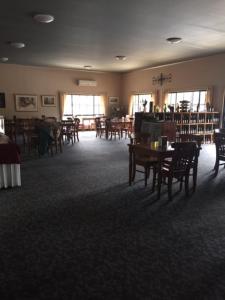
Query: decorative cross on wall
161	79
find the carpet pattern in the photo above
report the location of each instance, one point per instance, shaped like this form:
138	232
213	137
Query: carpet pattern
76	230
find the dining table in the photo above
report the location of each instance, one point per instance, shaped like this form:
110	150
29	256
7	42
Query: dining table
156	151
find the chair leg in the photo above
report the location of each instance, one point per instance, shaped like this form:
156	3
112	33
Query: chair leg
216	167
170	181
154	178
133	174
159	184
181	183
60	146
187	185
147	171
195	171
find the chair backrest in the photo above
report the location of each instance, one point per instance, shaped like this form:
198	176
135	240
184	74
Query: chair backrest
108	123
183	155
198	138
219	139
98	123
140	138
50	119
140	153
76	123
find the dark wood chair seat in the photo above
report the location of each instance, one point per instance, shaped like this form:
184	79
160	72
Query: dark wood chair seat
198	138
178	167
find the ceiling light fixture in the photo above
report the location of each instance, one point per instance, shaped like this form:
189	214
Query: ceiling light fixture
17	45
4	59
87	67
43	18
174	40
120	57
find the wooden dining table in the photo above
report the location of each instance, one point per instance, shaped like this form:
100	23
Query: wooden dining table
154	150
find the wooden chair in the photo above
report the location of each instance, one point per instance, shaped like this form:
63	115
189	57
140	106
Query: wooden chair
100	127
68	131
56	141
76	128
142	158
113	128
198	138
10	129
219	139
32	136
20	126
178	167
126	128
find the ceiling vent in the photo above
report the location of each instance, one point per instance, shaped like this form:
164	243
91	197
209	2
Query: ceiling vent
82	82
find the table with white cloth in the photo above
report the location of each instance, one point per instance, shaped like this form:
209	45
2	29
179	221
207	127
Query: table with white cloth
9	165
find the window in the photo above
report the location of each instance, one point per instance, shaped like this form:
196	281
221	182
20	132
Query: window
139	100
84	105
197	99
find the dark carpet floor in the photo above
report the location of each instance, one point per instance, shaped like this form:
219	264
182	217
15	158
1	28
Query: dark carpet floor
76	230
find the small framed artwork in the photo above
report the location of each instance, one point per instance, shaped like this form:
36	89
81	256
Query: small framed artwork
114	100
47	100
2	100
26	103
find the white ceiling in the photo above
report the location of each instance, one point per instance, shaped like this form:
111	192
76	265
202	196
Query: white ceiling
93	32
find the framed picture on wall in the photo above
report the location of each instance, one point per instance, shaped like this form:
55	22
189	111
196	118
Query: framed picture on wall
114	100
48	100
26	103
2	100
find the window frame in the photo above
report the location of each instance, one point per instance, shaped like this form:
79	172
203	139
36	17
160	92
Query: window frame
140	101
168	102
76	113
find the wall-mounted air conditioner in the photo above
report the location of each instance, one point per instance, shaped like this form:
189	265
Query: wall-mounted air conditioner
82	82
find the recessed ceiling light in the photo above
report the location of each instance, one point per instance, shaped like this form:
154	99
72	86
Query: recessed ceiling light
121	57
43	18
4	59
174	40
87	67
17	45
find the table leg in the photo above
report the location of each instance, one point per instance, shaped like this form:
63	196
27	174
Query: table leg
159	181
130	164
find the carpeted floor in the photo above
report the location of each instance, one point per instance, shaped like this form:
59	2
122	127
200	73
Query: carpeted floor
76	230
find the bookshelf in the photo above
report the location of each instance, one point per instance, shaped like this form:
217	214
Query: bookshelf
201	123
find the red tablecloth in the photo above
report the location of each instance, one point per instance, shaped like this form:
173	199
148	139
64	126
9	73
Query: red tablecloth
9	154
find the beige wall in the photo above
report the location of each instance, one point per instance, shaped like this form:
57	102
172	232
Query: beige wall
196	74
15	79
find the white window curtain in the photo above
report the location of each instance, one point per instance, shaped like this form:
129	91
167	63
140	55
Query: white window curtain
103	104
131	105
209	95
62	104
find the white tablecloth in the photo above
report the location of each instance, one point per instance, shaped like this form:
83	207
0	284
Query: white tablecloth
10	175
